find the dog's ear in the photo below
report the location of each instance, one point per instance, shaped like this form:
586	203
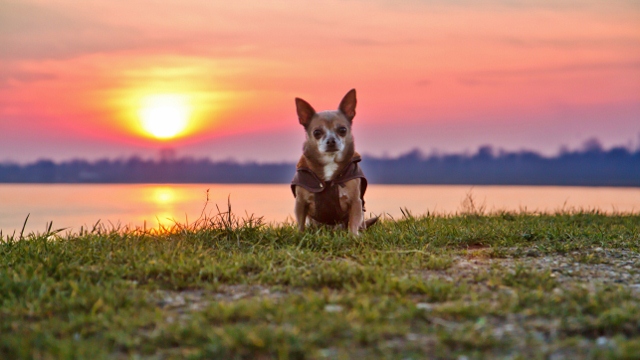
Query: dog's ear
348	105
305	112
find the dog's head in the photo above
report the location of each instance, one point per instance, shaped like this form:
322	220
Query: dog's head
328	132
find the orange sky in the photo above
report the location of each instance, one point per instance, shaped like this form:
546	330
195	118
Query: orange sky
447	75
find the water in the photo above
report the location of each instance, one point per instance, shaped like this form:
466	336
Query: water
73	206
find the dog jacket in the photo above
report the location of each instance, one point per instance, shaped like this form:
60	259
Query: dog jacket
327	202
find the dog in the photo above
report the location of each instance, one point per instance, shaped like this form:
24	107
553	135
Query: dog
329	186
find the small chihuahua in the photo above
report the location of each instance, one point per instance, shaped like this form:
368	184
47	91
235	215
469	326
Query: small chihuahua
329	185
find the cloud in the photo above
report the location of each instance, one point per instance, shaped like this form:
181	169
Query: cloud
572	43
31	31
42	32
564	69
363	42
524	5
7	79
474	81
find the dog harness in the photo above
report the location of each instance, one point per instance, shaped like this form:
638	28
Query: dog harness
327	194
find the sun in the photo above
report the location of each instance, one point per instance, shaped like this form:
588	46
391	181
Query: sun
164	116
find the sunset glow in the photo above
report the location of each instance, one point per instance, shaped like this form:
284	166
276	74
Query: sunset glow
218	79
163	195
164	116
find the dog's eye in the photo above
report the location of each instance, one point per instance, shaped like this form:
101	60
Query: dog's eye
317	134
342	131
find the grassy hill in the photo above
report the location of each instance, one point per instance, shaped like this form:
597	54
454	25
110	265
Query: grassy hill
504	285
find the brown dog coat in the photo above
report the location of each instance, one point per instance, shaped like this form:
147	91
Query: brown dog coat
327	202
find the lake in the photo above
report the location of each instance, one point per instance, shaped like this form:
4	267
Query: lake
74	205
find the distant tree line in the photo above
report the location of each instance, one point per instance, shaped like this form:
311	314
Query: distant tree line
589	166
137	170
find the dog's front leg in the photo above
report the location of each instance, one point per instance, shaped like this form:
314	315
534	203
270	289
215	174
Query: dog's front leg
301	210
356	216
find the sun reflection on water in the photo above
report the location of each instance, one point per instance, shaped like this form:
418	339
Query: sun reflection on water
164	195
163	199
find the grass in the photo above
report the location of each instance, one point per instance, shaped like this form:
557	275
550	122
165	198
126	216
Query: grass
473	285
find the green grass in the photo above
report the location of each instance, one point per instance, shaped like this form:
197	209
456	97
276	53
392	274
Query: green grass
503	285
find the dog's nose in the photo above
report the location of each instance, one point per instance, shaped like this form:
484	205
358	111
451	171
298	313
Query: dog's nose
331	141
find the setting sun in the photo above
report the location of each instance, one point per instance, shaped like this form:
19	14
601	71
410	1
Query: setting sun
164	116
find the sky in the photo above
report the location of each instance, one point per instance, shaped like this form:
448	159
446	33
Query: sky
78	79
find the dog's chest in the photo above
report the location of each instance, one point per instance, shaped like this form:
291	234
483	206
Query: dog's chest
330	166
329	170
